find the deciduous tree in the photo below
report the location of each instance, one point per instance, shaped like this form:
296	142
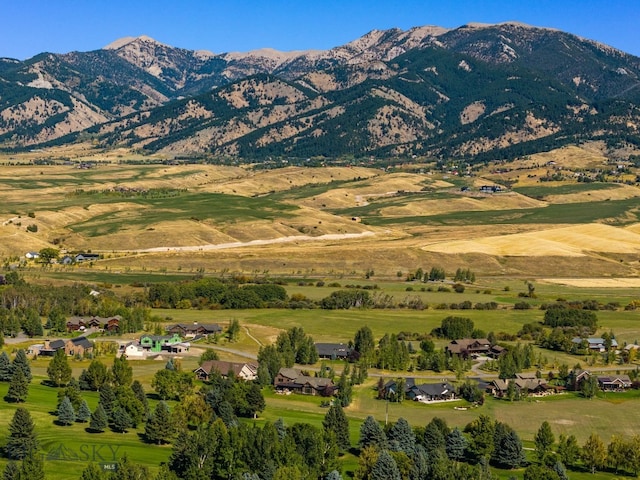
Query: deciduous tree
59	371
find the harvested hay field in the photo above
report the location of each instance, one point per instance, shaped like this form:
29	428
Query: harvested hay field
474	202
595	282
617	192
568	241
262	182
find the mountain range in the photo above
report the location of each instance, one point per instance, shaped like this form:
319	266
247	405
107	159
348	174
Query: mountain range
475	92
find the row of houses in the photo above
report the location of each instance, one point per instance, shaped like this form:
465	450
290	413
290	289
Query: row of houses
67	259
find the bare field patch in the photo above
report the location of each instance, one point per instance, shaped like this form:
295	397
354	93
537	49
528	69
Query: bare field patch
506	201
567	241
620	192
265	181
595	282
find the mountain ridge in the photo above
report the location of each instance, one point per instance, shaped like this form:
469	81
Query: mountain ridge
428	90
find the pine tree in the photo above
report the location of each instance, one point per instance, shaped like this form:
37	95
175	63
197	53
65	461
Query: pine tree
84	412
59	371
508	447
433	438
121	420
336	421
22	438
21	361
92	472
333	475
401	437
159	428
99	420
18	388
371	434
11	471
6	370
544	440
66	412
32	467
138	391
385	468
107	400
455	445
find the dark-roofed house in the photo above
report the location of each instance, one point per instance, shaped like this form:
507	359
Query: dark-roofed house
79	346
244	371
614	383
49	348
292	380
432	392
194	329
333	351
469	347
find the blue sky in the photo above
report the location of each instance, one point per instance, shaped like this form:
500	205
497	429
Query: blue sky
33	26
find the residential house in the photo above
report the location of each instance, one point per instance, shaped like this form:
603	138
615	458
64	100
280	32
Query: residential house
391	389
49	348
525	383
67	260
594	344
292	380
79	346
614	383
86	257
158	343
32	255
244	371
194	329
576	377
469	347
133	350
432	392
333	351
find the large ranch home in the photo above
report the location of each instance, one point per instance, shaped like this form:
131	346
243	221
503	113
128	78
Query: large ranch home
292	380
244	371
425	392
524	382
333	351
